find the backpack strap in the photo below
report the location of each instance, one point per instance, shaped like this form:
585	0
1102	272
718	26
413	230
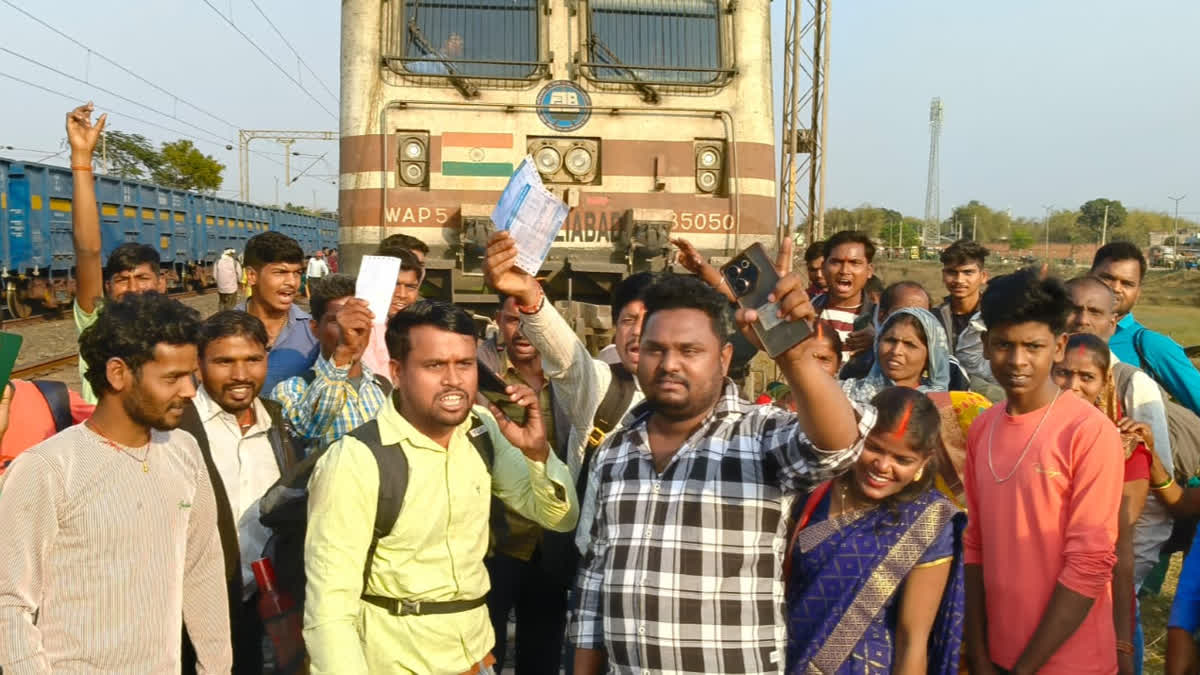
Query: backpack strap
280	435
393	483
612	408
59	400
1138	337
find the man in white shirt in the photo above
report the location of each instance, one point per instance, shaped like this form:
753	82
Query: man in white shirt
245	446
317	268
228	274
110	527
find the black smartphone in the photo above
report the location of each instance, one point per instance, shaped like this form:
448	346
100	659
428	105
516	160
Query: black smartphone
751	276
489	381
10	346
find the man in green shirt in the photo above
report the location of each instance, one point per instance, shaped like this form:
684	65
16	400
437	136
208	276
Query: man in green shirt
422	608
131	267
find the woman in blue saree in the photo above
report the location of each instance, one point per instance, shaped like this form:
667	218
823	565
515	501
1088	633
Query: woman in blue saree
874	566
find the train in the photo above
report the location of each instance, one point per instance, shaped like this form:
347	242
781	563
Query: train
649	118
188	229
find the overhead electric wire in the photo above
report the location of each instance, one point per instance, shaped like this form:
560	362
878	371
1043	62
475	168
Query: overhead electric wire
268	57
289	45
119	66
270	157
52	69
301	174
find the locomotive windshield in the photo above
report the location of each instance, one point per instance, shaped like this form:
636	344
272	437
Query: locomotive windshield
471	38
655	41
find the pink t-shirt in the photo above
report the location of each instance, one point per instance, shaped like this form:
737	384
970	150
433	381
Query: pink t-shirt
1054	521
376	355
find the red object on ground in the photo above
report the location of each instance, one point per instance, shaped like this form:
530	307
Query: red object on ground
281	619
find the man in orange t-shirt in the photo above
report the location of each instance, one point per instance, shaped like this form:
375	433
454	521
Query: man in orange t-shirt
33	421
1043	479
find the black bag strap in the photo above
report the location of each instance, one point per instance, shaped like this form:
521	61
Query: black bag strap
226	525
59	400
612	408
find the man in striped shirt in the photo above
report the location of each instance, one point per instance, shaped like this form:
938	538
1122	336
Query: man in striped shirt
845	305
110	527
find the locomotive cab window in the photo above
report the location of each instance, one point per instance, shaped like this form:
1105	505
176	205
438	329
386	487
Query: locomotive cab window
655	41
467	38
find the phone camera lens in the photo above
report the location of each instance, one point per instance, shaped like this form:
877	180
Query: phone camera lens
744	264
741	286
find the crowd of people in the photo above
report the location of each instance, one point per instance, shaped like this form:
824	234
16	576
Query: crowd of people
982	483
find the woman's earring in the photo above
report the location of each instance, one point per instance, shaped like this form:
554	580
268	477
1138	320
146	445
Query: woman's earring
917	476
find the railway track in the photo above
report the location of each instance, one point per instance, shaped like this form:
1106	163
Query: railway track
62	314
43	367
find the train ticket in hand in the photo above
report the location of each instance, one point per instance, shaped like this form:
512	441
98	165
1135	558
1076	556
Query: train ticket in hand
531	214
376	283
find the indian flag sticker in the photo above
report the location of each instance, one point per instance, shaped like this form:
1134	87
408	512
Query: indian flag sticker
477	154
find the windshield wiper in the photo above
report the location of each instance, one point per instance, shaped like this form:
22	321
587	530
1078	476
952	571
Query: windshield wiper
649	95
462	84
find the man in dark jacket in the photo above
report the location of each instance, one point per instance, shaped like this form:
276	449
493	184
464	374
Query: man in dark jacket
245	444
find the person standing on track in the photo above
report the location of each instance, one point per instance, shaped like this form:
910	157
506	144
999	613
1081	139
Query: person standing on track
228	273
131	267
110	527
317	268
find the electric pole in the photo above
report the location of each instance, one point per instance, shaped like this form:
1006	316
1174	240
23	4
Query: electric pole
1047	231
1175	224
1104	230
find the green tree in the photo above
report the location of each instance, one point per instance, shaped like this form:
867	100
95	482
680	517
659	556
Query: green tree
129	155
911	233
1020	239
186	168
1092	215
980	221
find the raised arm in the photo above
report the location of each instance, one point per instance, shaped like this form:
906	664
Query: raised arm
525	475
1175	370
85	217
29	494
692	261
826	416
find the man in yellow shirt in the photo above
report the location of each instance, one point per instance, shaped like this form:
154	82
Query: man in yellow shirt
422	609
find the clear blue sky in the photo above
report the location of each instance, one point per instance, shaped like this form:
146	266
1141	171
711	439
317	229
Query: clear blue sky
1047	102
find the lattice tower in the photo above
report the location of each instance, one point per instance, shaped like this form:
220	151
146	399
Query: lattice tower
933	190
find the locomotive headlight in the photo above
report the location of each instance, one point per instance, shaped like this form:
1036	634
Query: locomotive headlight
579	162
710	165
708	158
413	149
548	160
706	181
412	173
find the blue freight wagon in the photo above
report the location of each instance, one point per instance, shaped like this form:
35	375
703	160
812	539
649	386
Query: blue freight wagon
189	231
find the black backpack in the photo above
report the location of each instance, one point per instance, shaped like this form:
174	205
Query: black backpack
284	508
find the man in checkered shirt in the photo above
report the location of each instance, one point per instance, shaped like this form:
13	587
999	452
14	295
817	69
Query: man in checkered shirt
692	497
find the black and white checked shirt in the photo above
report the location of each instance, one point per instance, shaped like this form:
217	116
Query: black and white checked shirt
683	571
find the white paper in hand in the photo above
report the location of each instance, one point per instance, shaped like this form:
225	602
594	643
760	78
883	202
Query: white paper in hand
531	214
376	283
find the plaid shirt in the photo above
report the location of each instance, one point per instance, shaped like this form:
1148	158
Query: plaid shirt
330	407
683	572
